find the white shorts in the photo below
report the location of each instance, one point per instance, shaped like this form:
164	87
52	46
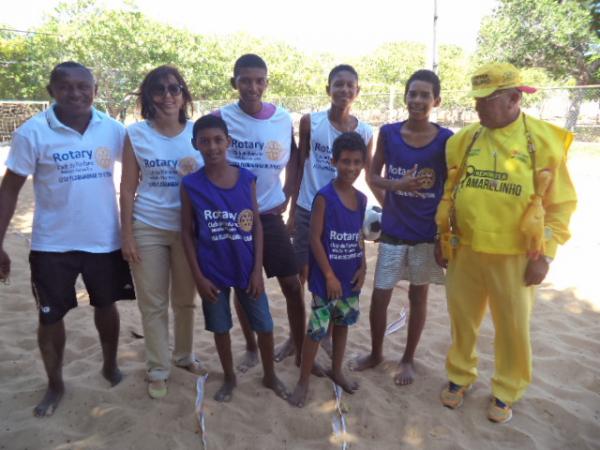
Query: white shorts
413	263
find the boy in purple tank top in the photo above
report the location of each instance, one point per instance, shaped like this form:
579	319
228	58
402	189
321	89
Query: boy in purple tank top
222	239
413	153
337	264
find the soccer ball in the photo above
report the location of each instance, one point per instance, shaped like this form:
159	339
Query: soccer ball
372	224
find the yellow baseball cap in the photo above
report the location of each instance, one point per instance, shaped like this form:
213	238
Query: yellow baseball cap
494	76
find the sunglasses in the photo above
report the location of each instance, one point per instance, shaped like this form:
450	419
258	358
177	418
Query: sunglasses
160	90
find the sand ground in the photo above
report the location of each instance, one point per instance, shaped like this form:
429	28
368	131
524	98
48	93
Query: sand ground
561	410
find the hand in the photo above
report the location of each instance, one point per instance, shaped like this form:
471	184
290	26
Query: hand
207	290
409	182
358	279
129	249
256	286
334	288
536	271
437	253
4	265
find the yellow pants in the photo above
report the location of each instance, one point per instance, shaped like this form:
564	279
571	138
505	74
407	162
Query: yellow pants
473	281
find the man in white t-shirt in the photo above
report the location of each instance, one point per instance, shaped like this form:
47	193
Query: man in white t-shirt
70	150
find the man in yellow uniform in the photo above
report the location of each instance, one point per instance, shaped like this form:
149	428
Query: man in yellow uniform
507	205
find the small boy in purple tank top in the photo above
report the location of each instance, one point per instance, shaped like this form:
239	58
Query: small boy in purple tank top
337	265
413	153
222	238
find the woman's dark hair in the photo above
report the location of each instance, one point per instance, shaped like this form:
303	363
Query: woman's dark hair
154	77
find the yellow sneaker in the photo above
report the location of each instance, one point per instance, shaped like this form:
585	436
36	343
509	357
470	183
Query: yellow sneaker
498	411
453	395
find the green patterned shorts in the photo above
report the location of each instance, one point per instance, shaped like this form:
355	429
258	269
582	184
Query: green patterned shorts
343	311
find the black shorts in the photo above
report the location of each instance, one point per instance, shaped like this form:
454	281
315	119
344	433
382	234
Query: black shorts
53	275
278	254
301	239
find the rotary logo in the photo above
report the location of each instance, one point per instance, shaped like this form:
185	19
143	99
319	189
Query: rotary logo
274	150
428	175
245	219
103	158
187	165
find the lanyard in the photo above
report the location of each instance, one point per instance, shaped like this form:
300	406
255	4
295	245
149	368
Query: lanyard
463	164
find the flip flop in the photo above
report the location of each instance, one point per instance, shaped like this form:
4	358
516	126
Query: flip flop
157	389
195	367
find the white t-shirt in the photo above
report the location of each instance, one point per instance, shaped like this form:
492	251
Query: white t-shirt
75	198
163	161
262	146
318	170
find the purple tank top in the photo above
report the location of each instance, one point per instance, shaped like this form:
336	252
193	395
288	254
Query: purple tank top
342	242
405	215
224	223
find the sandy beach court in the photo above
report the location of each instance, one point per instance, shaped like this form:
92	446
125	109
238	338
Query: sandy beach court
561	409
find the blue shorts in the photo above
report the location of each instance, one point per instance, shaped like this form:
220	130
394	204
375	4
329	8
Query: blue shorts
217	316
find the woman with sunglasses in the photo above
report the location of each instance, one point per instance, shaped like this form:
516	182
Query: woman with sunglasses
158	153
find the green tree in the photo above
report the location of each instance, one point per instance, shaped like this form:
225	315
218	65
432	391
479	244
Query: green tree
558	36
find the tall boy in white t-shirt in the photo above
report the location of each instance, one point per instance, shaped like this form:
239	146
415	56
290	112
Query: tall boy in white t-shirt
318	130
263	142
70	150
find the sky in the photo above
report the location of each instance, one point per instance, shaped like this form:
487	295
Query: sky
349	27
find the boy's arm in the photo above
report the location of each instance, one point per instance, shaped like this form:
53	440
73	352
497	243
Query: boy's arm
291	171
130	178
205	287
256	287
9	193
317	219
409	182
302	154
377	192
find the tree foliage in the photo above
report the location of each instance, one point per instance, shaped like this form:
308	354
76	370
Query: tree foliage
121	46
558	36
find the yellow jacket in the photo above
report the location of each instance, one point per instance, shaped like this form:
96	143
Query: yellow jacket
497	184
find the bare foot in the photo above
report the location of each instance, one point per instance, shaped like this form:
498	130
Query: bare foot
349	386
365	362
298	397
284	350
51	399
406	374
277	386
112	374
249	360
225	392
327	346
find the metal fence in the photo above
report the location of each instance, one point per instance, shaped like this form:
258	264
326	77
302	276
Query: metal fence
14	112
554	104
